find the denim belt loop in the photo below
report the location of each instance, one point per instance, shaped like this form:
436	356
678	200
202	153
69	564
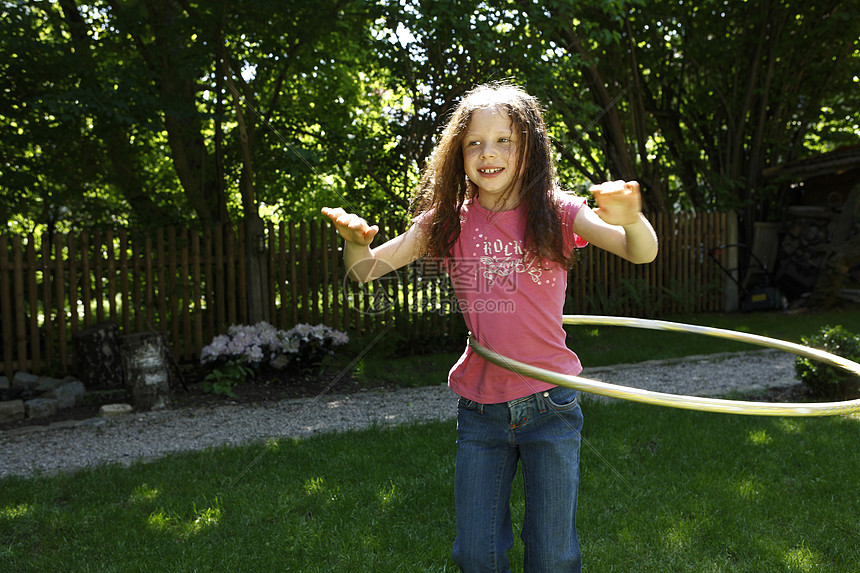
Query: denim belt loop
541	403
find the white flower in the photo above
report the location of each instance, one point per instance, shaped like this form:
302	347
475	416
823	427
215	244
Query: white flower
256	344
255	354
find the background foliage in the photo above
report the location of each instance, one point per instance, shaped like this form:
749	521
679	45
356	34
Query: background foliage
180	112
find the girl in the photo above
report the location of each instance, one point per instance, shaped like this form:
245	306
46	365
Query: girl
490	208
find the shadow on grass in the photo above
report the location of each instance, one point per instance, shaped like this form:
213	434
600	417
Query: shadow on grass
661	490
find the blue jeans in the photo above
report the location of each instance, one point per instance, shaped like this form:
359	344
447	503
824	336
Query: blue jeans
543	432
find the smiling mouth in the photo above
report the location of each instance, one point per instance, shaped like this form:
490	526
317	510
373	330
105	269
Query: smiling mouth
490	171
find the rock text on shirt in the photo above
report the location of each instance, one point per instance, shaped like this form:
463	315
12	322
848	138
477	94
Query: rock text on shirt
505	260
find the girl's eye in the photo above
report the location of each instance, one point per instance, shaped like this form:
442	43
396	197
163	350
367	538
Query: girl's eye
504	140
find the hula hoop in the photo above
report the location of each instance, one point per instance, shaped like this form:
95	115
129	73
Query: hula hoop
677	400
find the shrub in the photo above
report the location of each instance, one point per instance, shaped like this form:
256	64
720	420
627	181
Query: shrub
825	381
246	348
221	380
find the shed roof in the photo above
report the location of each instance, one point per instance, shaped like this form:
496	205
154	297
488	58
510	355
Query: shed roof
834	162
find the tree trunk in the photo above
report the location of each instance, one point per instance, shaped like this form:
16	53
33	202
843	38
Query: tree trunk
257	271
146	369
168	57
256	268
123	157
97	356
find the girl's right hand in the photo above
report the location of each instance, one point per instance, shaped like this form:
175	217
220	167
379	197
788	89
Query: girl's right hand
351	227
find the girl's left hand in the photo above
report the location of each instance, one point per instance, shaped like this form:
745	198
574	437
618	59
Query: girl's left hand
618	202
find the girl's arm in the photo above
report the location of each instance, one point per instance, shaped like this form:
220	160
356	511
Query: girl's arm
618	225
365	264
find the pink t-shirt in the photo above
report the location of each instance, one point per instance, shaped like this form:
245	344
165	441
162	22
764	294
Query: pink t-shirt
511	304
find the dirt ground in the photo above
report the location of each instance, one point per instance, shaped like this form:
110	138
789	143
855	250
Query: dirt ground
187	392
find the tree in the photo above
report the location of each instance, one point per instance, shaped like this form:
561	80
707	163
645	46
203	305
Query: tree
431	54
209	112
711	92
157	91
215	89
58	125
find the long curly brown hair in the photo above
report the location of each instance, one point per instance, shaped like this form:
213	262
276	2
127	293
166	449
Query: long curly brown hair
444	188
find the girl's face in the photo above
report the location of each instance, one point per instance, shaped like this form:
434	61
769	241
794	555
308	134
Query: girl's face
490	157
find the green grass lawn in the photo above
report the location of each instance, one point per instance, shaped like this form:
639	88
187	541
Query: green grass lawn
662	490
600	346
606	345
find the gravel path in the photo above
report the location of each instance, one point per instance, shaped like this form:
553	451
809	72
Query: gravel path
66	446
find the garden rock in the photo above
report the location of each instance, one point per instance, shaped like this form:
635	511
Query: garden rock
68	394
11	410
109	410
33	396
40	407
46	383
24	381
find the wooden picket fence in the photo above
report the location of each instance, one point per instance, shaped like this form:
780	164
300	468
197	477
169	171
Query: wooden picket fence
192	285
